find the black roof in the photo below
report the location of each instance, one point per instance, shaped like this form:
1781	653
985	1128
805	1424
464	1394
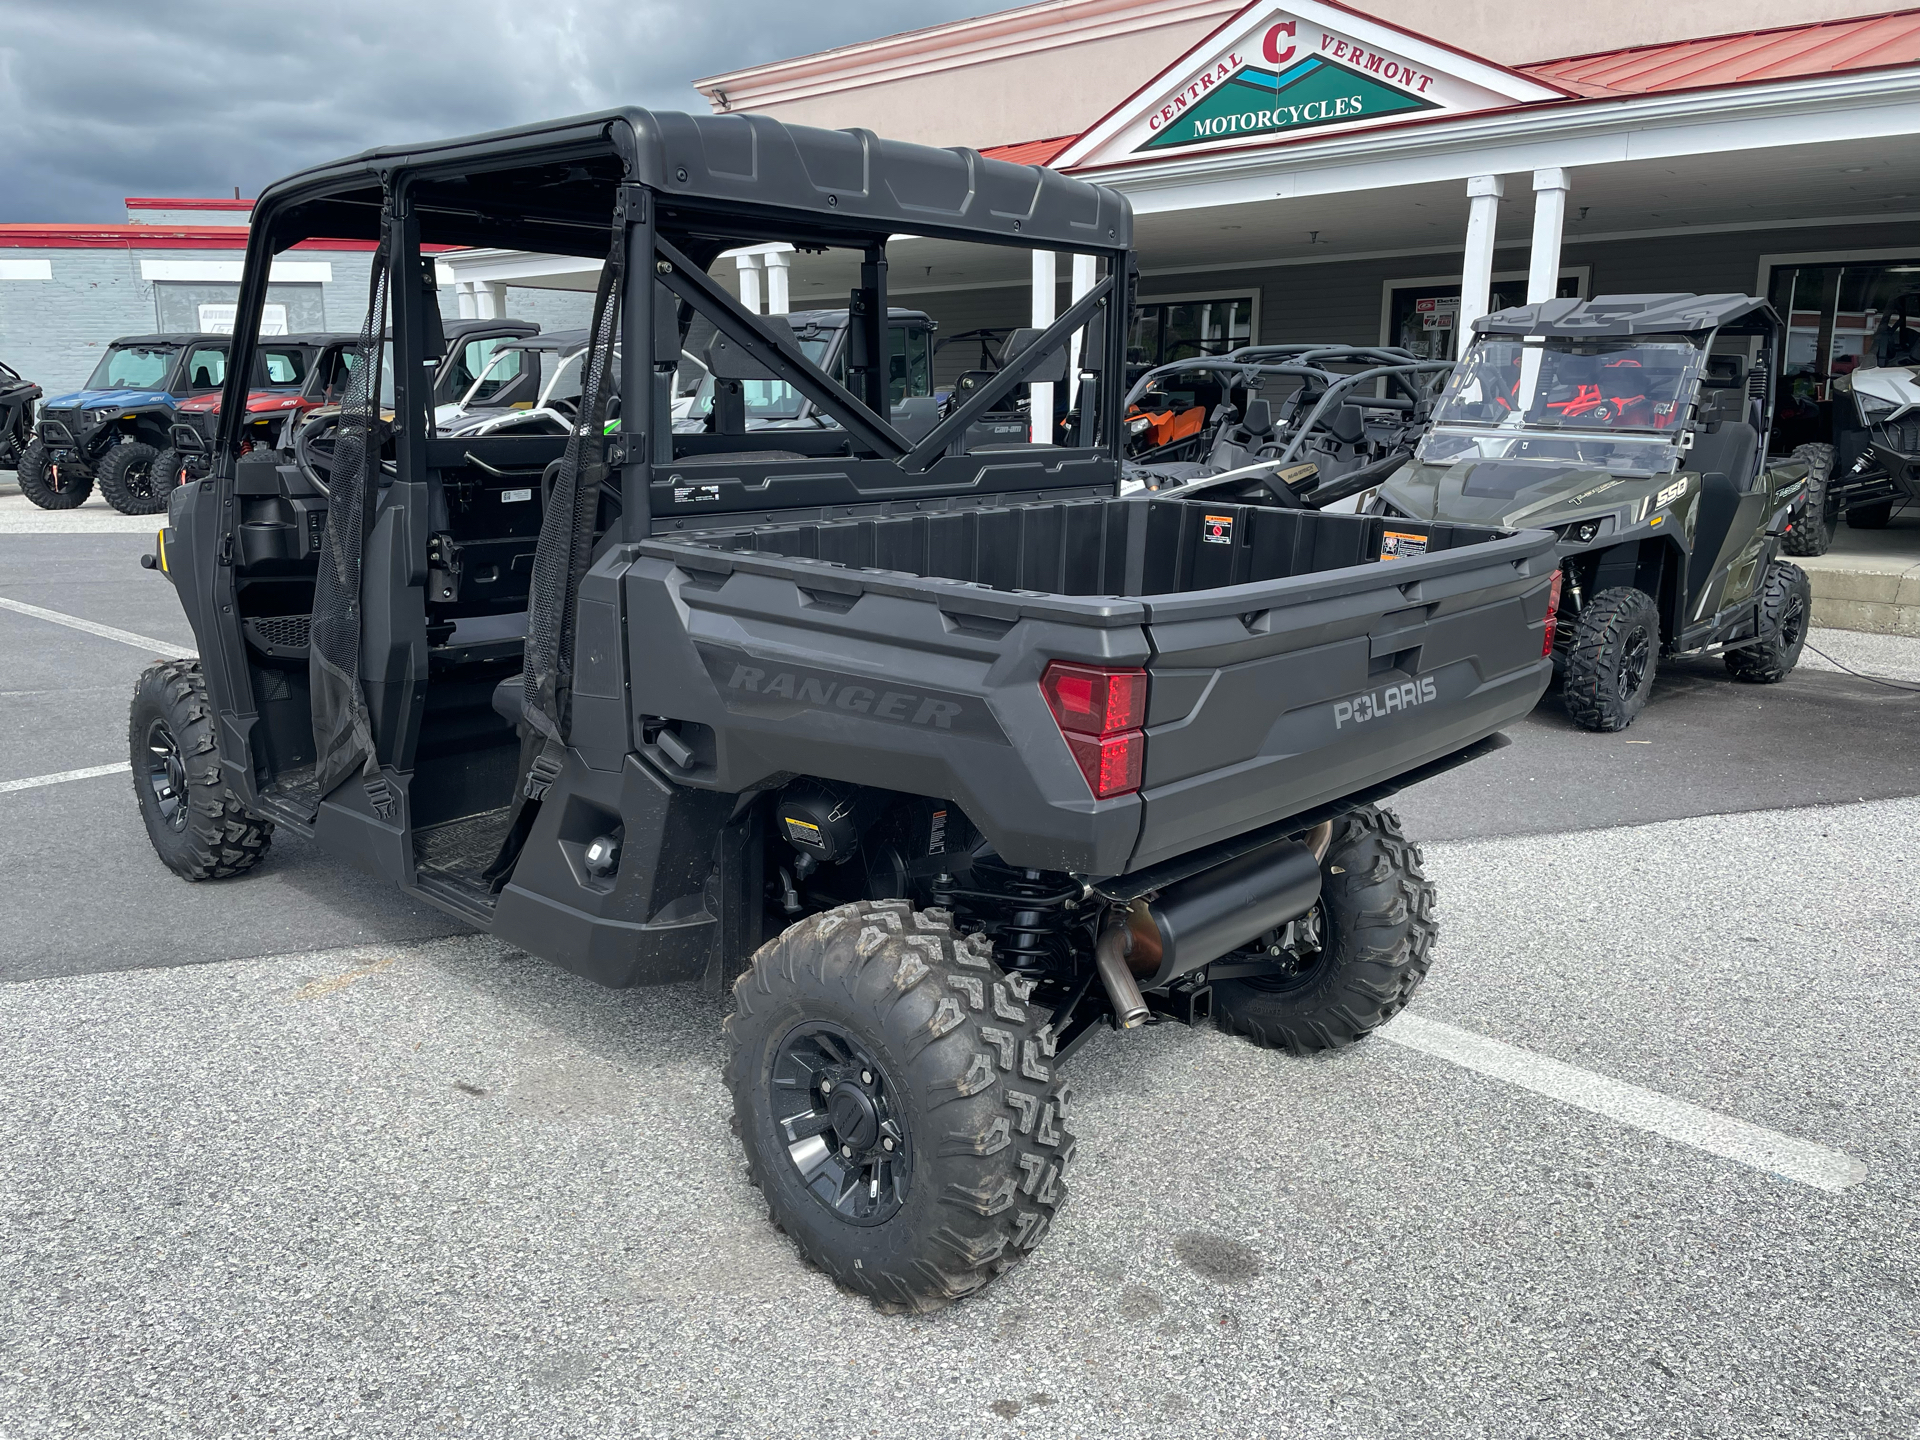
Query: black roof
310	337
454	329
552	188
182	338
1621	315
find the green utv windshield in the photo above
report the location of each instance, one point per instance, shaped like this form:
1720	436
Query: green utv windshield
1616	402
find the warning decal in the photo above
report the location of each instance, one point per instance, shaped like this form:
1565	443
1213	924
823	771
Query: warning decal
1400	545
1217	529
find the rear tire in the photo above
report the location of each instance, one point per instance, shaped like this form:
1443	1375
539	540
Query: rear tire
197	825
127	481
875	1022
51	487
1812	530
1612	659
166	472
1786	610
1871	517
1356	958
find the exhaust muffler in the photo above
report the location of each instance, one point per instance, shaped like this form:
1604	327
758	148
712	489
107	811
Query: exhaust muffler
1211	914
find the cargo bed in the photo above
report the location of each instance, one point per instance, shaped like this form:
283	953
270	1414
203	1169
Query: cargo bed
1289	663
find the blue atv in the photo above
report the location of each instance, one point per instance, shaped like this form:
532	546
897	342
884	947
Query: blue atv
112	430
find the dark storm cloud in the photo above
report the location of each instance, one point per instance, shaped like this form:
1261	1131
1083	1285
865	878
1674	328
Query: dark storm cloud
194	97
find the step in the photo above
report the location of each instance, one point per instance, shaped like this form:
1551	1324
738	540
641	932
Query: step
1870	579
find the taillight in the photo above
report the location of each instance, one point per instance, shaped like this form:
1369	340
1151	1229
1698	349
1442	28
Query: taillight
1553	615
1100	712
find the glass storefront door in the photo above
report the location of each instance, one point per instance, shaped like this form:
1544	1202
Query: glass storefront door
1840	315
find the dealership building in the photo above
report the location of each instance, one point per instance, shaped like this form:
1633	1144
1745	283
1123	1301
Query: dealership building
1385	171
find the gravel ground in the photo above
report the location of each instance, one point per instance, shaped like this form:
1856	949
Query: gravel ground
438	1187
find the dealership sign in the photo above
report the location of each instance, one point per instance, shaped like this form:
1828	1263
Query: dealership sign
1275	72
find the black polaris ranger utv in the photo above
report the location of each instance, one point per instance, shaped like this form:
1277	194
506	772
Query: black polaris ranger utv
1634	426
940	757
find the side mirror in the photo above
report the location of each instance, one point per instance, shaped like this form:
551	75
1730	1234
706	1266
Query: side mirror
1051	369
186	439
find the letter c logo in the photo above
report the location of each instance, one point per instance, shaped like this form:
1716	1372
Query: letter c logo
1270	47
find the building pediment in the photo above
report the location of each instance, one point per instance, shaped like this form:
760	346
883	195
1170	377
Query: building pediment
1278	72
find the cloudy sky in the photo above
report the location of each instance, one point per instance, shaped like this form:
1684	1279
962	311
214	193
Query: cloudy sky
101	99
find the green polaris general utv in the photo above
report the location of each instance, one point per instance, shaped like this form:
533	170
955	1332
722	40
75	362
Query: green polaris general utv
1634	427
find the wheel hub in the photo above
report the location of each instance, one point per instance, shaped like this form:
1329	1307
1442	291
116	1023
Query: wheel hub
1633	663
839	1115
166	775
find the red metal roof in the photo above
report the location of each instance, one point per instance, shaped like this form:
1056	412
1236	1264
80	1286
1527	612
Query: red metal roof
185	202
1788	52
1030	152
34	235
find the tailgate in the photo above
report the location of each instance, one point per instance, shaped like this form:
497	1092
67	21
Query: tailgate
1272	697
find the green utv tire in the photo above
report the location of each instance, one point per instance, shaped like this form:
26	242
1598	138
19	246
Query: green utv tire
1813	527
894	1091
197	826
128	481
50	486
1612	657
1786	612
1355	960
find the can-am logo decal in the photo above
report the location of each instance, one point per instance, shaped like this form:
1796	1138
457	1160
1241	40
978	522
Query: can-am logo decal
1384	701
772	690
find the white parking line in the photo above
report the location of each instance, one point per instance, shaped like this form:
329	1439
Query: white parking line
105	632
34	782
1717	1134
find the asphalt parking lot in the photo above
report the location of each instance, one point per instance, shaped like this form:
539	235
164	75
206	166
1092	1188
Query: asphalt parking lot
294	1155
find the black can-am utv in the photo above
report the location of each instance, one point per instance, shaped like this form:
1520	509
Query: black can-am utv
940	757
17	397
1635	427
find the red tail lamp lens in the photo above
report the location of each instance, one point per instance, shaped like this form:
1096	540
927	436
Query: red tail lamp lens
1111	763
1553	615
1100	713
1090	701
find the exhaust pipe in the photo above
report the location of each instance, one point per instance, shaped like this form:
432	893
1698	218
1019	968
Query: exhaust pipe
1205	916
1123	991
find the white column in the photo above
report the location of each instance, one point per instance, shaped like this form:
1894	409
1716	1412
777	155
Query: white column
463	297
1083	273
749	266
1040	396
1549	222
490	300
779	265
1476	276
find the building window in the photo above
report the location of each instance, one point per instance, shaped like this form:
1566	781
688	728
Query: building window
1423	315
1183	329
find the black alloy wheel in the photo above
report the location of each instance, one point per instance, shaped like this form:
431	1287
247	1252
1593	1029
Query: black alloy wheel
166	777
1636	653
843	1122
1294	953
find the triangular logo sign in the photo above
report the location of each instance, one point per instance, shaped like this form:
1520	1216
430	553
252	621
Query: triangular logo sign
1315	92
1282	69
